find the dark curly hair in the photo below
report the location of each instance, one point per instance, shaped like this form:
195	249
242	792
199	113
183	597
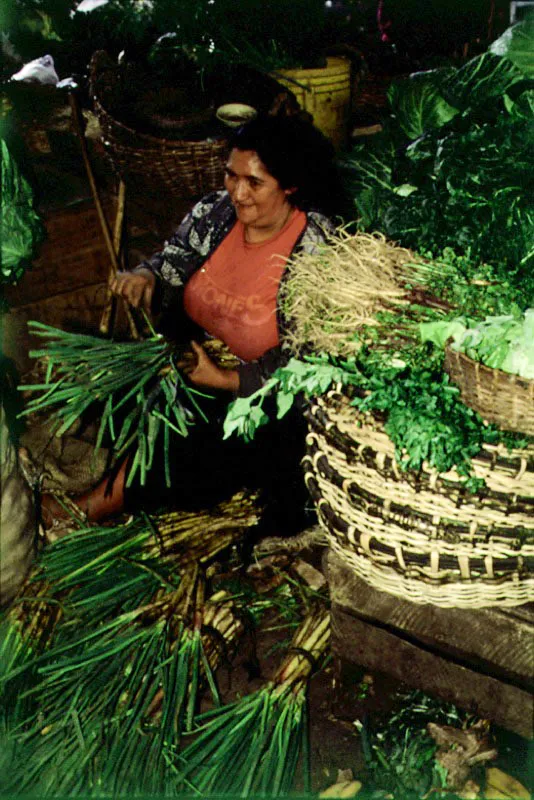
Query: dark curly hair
297	154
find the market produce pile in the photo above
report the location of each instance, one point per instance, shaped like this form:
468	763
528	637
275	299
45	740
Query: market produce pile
110	646
452	167
118	634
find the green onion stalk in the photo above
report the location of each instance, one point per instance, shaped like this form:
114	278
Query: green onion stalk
252	746
121	566
96	573
122	597
111	699
137	385
26	630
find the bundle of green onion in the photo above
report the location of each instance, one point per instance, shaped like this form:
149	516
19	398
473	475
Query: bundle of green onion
111	663
138	386
251	747
112	696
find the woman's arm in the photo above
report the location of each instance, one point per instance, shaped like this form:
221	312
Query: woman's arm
162	277
253	375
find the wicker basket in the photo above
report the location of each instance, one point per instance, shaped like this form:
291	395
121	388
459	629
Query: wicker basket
507	400
187	167
422	537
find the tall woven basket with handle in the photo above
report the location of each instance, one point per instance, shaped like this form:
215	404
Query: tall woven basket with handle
422	537
188	167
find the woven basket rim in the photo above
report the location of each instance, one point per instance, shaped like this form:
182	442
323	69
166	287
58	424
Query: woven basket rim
339	395
500	397
157	142
503	376
107	116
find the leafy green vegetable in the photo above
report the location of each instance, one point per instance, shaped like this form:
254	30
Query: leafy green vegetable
21	229
522	106
423	413
503	342
137	386
311	377
516	45
418	104
479	80
435	181
400	752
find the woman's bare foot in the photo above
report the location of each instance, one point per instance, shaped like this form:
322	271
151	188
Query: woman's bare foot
54	509
105	500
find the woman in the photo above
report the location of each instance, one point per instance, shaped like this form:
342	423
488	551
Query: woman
222	274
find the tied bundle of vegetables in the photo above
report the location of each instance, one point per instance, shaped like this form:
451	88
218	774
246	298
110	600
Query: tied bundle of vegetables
138	385
26	631
113	696
251	747
137	381
122	560
135	640
332	293
117	569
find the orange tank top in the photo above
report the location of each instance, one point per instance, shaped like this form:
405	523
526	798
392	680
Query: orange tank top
233	296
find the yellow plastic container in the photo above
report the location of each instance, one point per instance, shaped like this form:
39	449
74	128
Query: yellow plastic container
325	94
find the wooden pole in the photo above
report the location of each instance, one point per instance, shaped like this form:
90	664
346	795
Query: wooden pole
78	123
117	244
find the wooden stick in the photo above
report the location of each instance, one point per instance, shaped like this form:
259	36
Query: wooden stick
78	123
111	304
78	127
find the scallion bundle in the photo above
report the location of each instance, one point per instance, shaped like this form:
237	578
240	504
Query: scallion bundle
138	386
111	697
251	747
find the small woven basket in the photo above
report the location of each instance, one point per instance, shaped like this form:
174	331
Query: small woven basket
421	536
186	167
504	399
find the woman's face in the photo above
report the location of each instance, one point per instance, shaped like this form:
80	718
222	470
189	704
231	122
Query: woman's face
258	198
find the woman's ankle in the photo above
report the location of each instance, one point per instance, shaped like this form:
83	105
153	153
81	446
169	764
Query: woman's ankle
56	508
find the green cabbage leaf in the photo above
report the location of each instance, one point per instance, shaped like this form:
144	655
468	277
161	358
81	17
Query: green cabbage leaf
503	342
21	229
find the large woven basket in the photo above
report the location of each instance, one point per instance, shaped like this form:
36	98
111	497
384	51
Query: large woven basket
187	167
507	400
421	536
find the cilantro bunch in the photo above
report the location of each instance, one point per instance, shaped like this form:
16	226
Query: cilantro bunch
422	411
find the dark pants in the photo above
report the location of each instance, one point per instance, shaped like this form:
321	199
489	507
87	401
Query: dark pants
207	469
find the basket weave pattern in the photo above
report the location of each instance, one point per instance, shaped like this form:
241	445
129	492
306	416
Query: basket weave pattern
507	400
422	537
189	168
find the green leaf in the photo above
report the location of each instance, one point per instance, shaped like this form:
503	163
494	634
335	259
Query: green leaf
21	228
517	45
418	104
405	190
284	401
521	107
479	80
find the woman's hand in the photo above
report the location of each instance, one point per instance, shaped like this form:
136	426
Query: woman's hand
207	374
137	288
